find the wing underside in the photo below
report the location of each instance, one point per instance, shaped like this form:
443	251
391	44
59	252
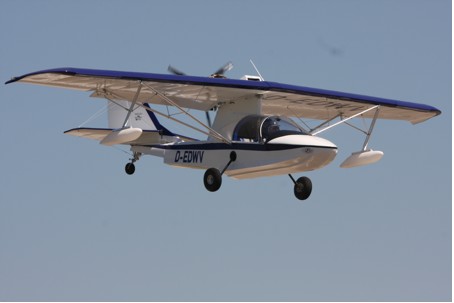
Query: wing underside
202	93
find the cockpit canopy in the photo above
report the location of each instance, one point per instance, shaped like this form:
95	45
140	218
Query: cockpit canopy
256	128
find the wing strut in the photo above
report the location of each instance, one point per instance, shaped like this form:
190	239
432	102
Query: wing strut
364	156
371	128
324	123
176	120
349	118
172	103
133	103
211	132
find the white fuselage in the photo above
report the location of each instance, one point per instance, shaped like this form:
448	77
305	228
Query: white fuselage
283	155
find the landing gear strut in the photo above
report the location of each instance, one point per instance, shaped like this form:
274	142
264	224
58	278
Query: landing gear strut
212	179
130	168
302	188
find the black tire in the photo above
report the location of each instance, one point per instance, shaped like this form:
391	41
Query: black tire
303	188
130	168
212	179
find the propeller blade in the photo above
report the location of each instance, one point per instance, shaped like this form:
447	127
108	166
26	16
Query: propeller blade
217	74
175	71
225	68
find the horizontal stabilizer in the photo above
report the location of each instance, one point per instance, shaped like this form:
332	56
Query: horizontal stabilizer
89	133
147	137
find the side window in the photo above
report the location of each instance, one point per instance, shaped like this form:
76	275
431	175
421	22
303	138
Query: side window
247	130
255	128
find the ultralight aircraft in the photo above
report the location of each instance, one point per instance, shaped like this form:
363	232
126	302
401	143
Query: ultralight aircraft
251	136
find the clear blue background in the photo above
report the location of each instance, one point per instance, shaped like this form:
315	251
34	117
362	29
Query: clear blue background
74	226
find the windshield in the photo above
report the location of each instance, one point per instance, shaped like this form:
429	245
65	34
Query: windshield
255	128
273	127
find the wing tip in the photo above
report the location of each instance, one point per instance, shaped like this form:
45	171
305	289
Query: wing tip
436	112
13	79
60	70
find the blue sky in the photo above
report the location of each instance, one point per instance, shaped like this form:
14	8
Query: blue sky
74	227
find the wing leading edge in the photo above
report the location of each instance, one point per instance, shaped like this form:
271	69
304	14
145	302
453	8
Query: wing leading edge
203	93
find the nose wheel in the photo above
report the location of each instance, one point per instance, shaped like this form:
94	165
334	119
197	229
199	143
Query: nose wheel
130	168
302	187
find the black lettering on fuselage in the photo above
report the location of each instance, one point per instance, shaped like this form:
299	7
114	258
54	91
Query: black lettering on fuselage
190	156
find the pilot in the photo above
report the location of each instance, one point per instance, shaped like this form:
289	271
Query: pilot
270	128
273	128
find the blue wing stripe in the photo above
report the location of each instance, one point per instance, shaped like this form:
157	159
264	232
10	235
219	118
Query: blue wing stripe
232	83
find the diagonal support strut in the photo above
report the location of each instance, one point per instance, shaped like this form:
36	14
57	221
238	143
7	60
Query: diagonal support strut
349	118
371	128
172	103
133	103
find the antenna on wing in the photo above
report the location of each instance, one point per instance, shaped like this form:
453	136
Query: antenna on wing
256	69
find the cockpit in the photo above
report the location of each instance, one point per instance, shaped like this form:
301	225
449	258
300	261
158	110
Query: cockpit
261	129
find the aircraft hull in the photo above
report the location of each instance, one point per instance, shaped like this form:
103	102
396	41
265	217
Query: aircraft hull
284	155
290	161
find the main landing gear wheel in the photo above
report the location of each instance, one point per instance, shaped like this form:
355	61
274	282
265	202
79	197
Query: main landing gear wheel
212	179
303	188
130	168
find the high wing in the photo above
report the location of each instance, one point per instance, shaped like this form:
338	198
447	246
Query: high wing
203	93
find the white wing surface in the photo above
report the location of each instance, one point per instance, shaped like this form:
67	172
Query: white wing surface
203	93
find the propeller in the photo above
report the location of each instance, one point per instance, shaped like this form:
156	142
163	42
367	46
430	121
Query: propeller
220	73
